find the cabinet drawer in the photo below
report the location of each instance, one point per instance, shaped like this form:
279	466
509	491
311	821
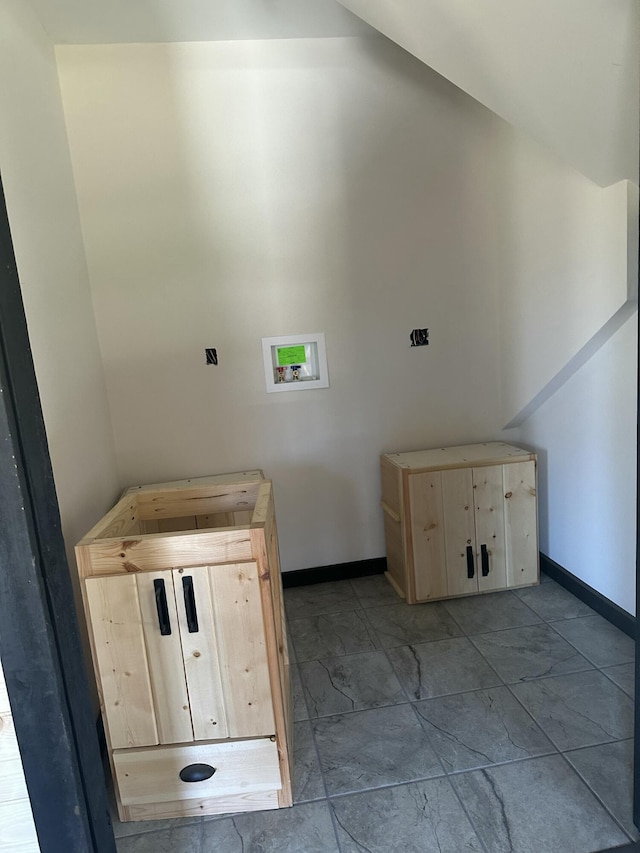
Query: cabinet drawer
153	775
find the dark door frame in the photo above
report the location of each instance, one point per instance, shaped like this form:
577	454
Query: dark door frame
39	639
636	732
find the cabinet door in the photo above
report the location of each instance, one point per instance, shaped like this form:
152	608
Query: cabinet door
200	658
240	633
124	682
162	636
491	564
426	527
459	531
521	523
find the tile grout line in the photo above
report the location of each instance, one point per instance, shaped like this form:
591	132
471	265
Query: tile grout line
539	724
583	654
374	636
333	815
451	776
598	798
452	787
606	675
325	799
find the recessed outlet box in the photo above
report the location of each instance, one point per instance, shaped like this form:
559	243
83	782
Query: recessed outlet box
211	355
419	338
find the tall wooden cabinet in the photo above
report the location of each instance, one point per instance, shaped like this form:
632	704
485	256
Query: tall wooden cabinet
183	600
460	520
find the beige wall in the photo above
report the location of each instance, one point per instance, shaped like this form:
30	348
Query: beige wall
45	227
565	77
567	261
239	190
231	191
568	358
41	203
566	250
586	438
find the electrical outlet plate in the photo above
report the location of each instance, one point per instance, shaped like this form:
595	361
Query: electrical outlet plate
295	363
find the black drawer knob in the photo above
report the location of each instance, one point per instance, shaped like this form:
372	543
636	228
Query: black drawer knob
197	772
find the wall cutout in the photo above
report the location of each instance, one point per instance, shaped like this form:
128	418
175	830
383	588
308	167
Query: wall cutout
419	337
295	362
211	355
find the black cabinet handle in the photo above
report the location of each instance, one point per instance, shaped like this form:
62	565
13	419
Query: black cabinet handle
162	607
470	566
190	604
197	772
484	556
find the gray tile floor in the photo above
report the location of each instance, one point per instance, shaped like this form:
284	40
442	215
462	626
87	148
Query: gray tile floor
496	723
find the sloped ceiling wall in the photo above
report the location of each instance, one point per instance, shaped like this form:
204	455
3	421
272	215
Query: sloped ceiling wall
565	71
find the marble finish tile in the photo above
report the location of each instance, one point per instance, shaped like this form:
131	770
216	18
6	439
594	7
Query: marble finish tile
481	728
518	654
598	640
176	838
306	827
374	591
350	683
318	598
368	749
581	709
331	634
608	771
300	711
402	625
536	806
479	614
552	601
624	676
307	778
433	669
422	817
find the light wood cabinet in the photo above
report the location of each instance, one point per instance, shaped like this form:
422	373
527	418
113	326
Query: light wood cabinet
183	599
460	520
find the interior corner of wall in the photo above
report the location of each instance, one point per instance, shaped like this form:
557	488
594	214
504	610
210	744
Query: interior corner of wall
617	225
615	322
633	247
